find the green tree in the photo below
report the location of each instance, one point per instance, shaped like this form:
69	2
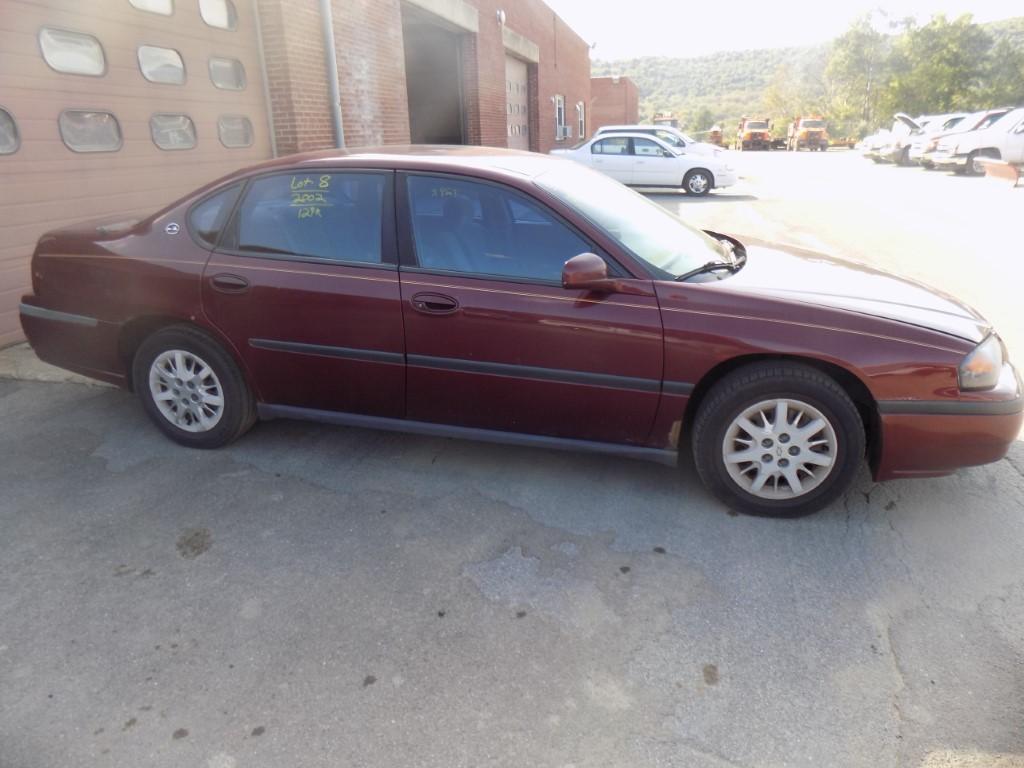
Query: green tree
857	69
938	67
1003	80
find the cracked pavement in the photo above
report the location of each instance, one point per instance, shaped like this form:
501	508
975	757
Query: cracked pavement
317	596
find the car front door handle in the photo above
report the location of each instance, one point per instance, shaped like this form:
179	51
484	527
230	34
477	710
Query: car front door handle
226	283
434	304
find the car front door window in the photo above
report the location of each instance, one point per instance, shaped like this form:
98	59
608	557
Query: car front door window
487	230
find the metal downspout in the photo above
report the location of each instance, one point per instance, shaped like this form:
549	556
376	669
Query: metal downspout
263	73
331	56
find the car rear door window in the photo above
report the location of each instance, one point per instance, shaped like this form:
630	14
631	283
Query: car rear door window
617	145
647	148
331	216
488	230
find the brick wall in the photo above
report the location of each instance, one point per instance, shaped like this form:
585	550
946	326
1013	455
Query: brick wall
296	75
371	69
564	68
614	101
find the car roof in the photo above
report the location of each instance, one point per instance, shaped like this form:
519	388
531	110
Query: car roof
621	128
439	157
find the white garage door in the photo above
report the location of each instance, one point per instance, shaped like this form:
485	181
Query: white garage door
517	98
117	107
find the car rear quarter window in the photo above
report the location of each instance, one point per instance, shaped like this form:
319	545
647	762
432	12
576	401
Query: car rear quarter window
10	140
173	131
207	218
228	74
87	131
330	216
73	53
487	230
161	65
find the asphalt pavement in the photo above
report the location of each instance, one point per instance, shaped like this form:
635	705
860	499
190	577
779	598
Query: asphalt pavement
319	596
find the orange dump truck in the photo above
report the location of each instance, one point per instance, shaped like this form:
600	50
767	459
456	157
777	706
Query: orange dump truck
754	133
807	133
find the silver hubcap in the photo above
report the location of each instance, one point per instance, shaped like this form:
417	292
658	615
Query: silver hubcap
186	390
698	183
779	449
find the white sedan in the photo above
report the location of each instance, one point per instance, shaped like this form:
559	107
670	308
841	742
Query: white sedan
646	161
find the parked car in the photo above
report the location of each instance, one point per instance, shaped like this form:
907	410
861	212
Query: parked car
671	136
976	121
895	147
930	133
1002	140
646	161
511	297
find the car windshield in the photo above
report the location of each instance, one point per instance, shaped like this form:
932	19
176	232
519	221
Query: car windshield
813	123
642	227
757	125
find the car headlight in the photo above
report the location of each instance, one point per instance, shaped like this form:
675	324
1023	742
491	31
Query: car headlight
982	366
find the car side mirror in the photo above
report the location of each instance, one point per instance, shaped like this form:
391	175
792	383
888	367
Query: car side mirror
666	153
586	271
589	272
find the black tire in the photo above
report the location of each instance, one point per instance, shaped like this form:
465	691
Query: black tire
239	410
758	382
691	180
969	169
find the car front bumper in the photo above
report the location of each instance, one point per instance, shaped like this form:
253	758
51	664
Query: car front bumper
948	160
932	438
725	177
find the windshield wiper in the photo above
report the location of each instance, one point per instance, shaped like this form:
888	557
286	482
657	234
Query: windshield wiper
711	266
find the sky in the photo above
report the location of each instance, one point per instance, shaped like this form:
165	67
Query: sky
685	28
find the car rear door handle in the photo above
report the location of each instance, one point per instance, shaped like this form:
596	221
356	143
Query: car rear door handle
434	304
226	283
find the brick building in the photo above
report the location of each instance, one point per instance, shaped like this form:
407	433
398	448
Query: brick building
118	107
613	101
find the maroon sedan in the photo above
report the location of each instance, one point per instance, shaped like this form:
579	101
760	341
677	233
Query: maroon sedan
512	297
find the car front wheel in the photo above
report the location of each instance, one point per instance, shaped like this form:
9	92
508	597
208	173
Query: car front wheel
698	182
778	439
191	388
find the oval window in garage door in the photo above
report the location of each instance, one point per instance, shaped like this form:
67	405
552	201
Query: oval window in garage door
234	131
228	74
87	131
219	13
163	7
173	131
73	53
161	65
9	138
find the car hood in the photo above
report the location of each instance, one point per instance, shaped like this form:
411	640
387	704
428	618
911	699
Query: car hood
812	278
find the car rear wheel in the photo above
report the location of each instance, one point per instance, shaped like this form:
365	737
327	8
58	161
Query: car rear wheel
192	389
698	182
778	439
